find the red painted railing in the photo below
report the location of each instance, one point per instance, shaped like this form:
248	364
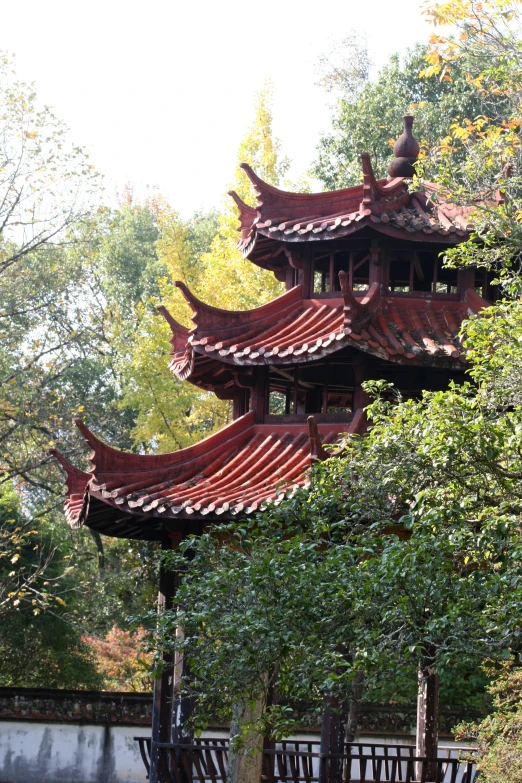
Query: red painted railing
205	761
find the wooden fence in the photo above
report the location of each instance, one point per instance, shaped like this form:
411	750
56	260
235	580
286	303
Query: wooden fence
205	761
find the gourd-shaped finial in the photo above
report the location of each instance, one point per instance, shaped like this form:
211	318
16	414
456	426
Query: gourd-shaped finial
406	151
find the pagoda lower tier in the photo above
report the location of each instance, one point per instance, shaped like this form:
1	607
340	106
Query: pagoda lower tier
231	474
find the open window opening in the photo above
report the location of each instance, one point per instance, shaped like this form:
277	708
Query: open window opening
323	387
447	280
328	265
322	273
421	272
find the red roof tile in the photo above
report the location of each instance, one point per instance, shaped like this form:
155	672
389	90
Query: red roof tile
232	473
290	329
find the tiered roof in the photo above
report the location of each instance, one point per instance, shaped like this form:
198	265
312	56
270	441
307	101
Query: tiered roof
236	471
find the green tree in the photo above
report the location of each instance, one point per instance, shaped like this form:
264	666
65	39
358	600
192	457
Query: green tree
40	640
499	736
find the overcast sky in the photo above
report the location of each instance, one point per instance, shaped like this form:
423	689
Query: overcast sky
162	92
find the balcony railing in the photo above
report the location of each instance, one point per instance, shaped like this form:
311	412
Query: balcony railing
291	761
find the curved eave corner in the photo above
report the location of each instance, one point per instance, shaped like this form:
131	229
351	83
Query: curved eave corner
234	472
77	485
210	321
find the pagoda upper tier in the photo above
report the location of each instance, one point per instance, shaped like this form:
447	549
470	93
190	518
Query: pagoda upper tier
386	206
368	297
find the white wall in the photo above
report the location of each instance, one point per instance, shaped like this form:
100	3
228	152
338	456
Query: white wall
32	752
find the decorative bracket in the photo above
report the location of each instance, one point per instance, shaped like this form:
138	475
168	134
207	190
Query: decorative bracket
294	259
317	452
357	312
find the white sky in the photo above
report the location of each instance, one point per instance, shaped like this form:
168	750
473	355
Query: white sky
162	92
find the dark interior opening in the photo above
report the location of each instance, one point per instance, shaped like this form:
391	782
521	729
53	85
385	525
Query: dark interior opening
322	387
322	273
423	272
328	265
484	286
447	280
424	265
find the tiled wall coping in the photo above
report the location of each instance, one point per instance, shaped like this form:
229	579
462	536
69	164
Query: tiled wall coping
102	707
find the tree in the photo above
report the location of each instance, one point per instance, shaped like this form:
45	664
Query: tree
202	253
46	184
499	736
39	638
121	659
481	154
345	69
229	280
24	562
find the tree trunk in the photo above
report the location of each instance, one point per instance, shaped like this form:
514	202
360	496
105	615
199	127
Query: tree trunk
245	762
427	718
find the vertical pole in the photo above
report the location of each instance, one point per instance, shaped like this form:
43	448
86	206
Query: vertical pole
427	719
332	742
354	708
163	687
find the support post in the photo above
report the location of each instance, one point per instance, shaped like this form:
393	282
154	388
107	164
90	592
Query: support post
427	719
169	711
332	742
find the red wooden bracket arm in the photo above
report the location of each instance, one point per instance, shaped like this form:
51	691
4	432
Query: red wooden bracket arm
317	452
357	312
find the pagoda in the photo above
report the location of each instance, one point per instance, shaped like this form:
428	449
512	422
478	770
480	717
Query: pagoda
367	297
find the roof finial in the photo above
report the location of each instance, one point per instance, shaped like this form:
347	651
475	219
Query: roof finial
406	151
